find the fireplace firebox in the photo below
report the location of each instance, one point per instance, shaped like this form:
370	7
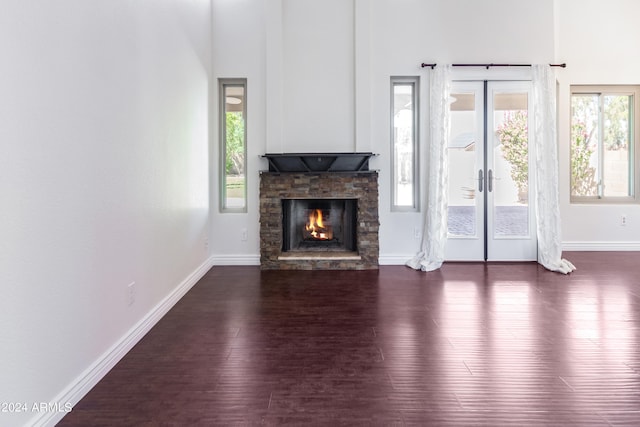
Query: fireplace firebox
324	225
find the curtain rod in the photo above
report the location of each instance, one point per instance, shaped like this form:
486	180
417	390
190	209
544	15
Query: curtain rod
487	66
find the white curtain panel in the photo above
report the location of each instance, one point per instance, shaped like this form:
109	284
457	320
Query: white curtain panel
546	149
431	254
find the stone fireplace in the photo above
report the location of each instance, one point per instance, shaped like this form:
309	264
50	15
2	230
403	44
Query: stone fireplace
324	219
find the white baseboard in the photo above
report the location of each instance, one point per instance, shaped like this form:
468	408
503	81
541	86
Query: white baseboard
397	259
235	260
91	376
601	246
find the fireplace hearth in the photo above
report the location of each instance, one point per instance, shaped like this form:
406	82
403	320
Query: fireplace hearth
319	219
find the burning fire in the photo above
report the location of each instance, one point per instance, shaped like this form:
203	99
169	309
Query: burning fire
316	227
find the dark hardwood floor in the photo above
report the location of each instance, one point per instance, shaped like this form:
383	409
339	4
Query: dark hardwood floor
471	344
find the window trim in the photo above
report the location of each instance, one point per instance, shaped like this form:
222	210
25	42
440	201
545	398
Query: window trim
413	81
223	84
634	146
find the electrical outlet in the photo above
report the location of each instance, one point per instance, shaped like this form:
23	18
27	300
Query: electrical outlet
623	220
416	232
244	235
131	293
206	244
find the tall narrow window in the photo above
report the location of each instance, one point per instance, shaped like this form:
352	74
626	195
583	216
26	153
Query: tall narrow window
404	136
604	143
233	143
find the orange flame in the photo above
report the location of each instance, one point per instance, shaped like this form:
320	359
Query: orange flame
316	227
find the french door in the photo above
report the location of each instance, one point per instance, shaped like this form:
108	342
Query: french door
490	209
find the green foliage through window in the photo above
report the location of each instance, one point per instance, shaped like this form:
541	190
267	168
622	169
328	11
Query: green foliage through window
514	140
234	162
583	175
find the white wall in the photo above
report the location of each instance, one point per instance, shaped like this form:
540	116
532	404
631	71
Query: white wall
598	40
103	181
318	70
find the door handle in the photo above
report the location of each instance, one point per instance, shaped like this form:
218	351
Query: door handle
480	180
490	181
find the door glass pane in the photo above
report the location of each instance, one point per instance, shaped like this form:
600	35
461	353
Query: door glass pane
510	183
463	182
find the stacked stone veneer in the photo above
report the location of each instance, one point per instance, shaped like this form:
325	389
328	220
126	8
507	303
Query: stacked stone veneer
275	186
